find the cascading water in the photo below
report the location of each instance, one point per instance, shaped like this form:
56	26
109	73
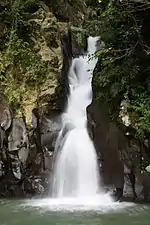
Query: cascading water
76	170
76	177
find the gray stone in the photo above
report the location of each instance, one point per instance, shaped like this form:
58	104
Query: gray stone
18	139
50	128
1	169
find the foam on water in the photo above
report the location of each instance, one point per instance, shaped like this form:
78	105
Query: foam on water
92	203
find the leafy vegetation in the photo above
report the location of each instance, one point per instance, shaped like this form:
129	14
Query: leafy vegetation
123	68
22	69
122	73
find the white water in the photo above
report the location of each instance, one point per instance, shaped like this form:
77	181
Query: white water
76	184
76	170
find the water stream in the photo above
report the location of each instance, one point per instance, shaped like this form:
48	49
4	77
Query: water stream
76	181
76	170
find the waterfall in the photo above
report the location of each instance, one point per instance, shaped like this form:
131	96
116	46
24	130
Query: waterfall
76	181
76	170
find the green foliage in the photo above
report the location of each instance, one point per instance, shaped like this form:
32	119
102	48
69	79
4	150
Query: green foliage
141	111
121	69
22	70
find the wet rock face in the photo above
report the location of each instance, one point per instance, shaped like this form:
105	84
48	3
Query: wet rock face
14	148
33	185
118	165
26	157
1	168
18	147
5	114
2	137
50	128
18	139
22	163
